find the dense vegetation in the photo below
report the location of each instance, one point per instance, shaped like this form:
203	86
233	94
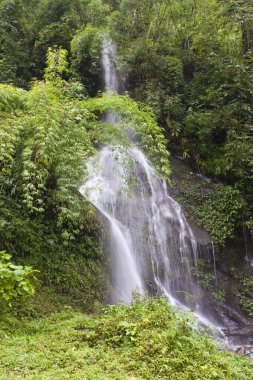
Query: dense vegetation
47	135
190	60
187	66
147	340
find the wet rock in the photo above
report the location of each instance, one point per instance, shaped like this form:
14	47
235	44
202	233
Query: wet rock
240	350
244	351
201	235
235	318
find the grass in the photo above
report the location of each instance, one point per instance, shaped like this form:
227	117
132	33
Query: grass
147	340
51	348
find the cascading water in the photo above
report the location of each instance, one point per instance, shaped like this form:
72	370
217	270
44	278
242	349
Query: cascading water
109	66
152	245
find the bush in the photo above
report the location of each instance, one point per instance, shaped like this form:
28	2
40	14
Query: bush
156	341
15	280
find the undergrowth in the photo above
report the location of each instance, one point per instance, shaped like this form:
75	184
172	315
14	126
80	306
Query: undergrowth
146	340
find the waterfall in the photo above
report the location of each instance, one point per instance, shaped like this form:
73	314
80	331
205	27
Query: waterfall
152	247
109	66
151	244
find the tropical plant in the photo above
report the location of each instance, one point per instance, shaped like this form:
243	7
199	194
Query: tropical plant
15	280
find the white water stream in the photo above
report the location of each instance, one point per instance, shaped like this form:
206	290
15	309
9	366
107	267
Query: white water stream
152	246
151	243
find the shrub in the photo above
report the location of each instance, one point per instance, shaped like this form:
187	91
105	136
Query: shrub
15	280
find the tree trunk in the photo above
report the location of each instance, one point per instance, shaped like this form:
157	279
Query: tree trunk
247	39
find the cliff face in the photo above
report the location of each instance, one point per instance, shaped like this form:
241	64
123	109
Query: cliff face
182	175
230	294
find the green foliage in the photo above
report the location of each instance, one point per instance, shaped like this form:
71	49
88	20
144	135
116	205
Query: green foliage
246	303
195	73
140	119
221	212
11	99
86	56
75	276
72	274
219	295
216	206
244	293
203	274
161	342
13	55
45	145
56	64
53	36
15	280
98	11
146	340
190	61
44	148
47	135
197	76
29	28
247	282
